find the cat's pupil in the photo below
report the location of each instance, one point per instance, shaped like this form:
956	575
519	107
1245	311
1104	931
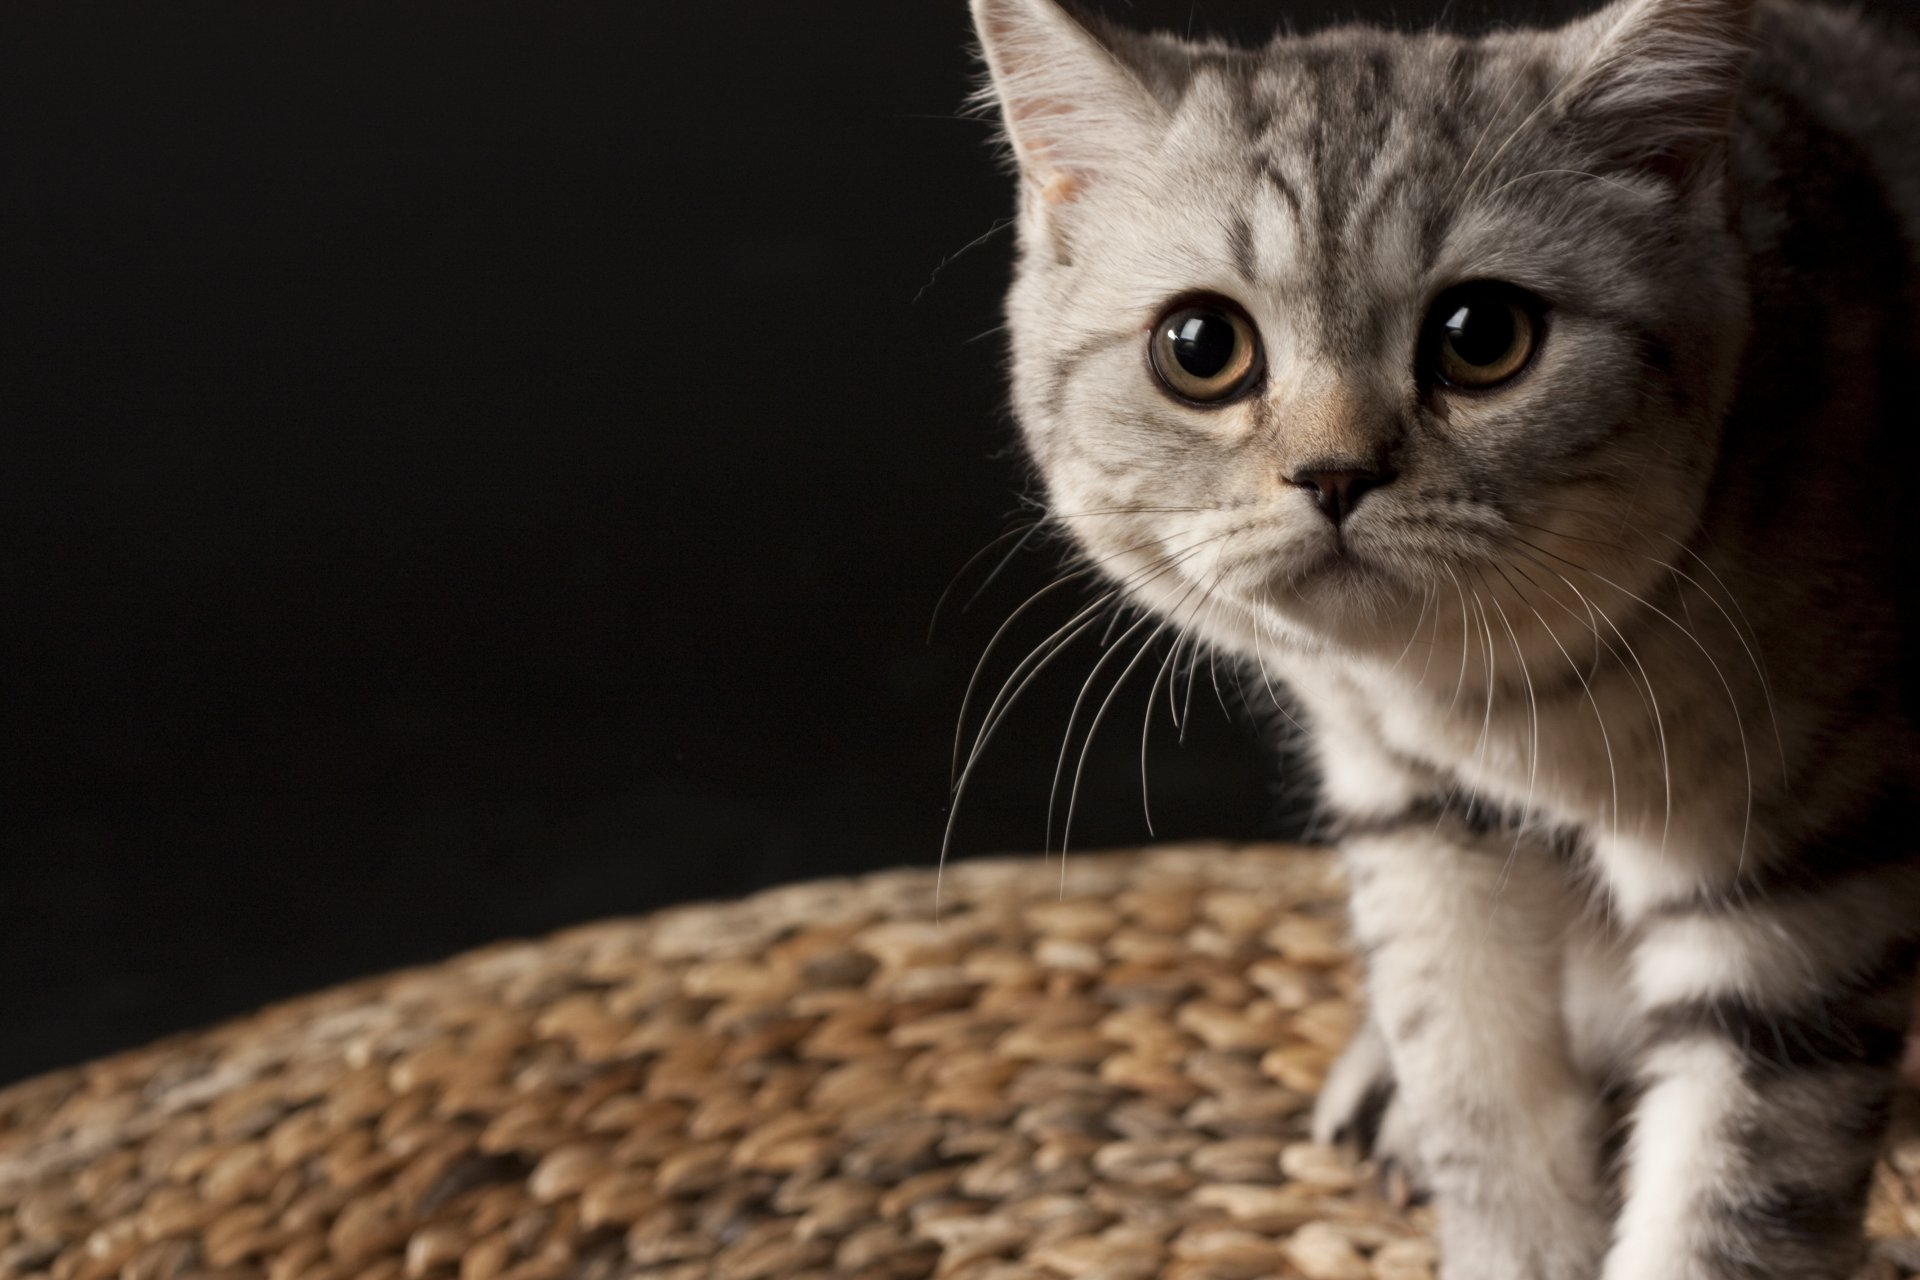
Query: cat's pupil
1481	335
1202	341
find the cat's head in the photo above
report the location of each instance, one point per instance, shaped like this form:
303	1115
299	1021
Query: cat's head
1312	338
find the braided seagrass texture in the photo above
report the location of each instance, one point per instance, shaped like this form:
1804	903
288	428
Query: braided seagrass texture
819	1081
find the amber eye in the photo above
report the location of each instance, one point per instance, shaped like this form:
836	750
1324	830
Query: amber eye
1479	335
1205	351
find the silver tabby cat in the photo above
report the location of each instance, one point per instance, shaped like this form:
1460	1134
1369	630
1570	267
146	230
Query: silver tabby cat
1540	408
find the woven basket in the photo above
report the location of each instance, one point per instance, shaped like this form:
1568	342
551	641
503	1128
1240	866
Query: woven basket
1107	1083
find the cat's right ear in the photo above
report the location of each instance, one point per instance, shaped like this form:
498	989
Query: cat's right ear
1072	110
1656	82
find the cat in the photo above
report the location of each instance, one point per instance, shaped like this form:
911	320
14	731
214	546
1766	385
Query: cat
1537	408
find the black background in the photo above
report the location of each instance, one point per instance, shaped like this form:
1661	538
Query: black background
466	468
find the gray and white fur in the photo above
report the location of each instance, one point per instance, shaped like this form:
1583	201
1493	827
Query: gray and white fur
1602	667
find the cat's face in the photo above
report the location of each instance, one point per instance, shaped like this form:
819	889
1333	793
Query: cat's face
1316	342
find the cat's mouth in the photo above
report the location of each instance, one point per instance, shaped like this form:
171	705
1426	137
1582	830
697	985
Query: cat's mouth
1333	567
1318	577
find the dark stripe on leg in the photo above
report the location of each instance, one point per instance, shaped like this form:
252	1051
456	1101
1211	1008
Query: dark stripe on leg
1861	1021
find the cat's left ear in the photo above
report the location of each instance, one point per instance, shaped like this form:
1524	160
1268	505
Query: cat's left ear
1073	110
1654	84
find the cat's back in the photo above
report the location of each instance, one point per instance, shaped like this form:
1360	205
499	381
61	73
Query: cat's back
1826	194
1833	80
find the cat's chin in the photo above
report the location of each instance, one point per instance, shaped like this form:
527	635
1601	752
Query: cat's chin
1338	593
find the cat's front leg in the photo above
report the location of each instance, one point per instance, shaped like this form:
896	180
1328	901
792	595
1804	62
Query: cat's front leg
1464	936
1772	1020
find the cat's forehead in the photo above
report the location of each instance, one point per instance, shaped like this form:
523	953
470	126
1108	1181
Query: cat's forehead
1352	89
1357	123
1342	175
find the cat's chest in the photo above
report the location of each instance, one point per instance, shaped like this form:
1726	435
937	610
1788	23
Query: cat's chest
1655	788
1490	747
1546	755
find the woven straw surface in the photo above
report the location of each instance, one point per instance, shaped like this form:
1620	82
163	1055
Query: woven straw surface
816	1081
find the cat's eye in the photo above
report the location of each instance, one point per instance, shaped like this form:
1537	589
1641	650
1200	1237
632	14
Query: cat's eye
1480	335
1205	351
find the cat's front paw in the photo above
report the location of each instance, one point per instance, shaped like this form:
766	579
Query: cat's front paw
1357	1108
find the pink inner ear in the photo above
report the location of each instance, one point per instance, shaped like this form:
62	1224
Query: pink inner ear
1031	109
1043	120
1029	119
1062	189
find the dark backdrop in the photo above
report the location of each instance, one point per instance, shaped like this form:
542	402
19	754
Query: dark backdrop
466	468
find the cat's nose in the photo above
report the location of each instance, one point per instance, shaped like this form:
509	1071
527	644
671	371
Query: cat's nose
1336	489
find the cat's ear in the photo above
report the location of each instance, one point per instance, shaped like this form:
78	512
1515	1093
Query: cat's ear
1072	109
1653	84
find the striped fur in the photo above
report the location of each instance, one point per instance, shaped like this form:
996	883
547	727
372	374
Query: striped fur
1606	684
